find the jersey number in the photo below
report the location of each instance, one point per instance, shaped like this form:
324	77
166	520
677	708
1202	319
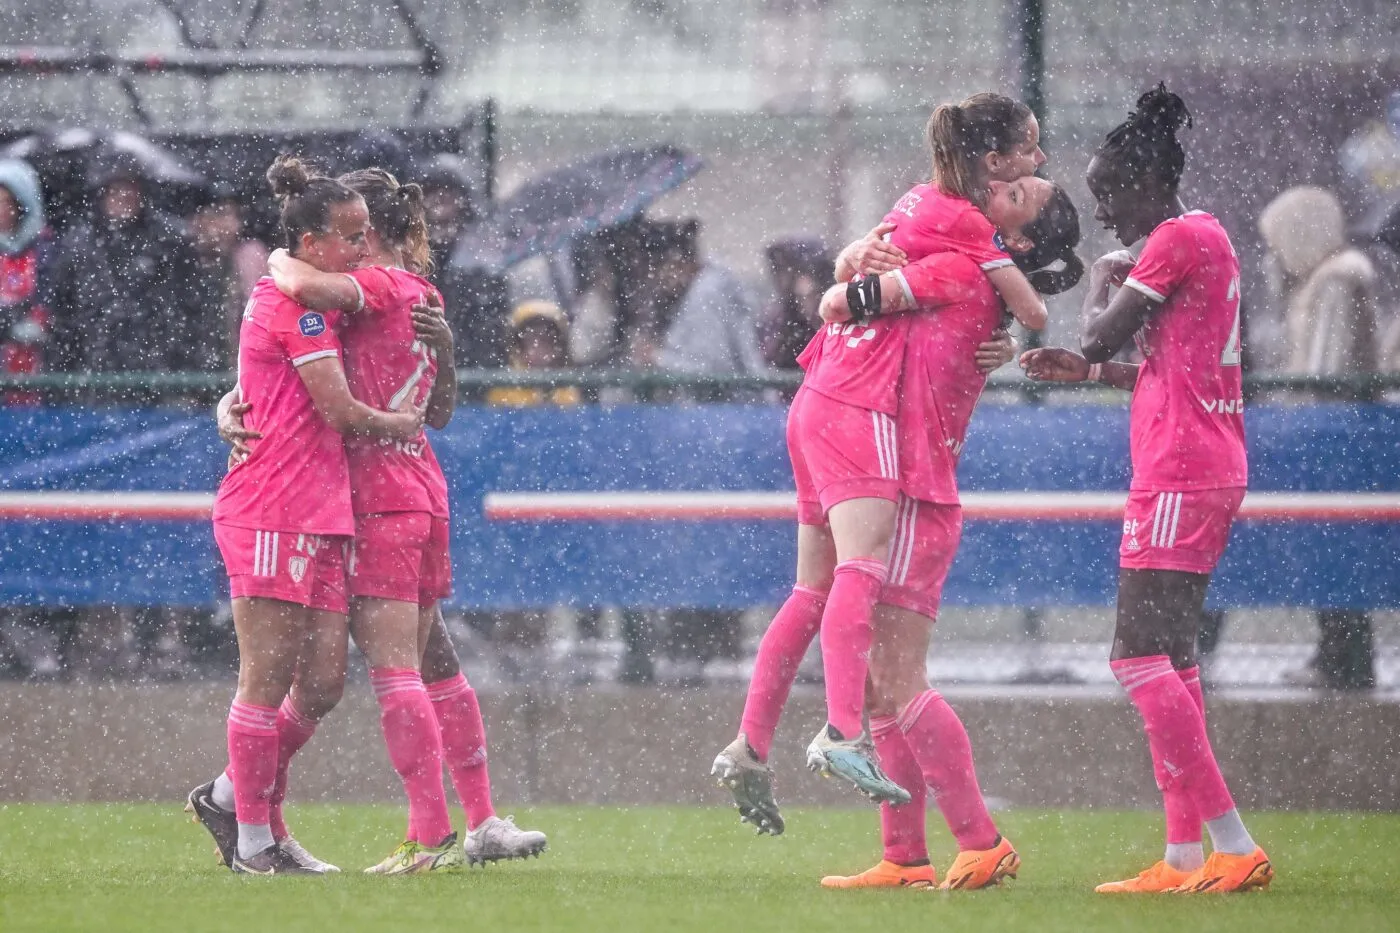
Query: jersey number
405	392
1230	356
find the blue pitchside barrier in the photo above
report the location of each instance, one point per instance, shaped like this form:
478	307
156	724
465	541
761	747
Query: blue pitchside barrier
661	505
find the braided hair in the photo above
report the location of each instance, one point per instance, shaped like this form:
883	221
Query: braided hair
1145	144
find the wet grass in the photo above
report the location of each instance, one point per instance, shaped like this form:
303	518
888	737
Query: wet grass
144	867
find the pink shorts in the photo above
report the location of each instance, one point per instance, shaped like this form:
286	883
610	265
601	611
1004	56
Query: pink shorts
839	452
926	538
296	568
403	556
1185	531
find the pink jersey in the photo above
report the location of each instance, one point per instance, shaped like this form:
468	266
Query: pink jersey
1188	410
942	383
390	369
296	478
860	364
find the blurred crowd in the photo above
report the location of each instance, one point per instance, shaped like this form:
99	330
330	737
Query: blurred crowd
127	285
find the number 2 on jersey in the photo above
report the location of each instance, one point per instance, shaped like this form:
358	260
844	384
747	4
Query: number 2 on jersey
1230	356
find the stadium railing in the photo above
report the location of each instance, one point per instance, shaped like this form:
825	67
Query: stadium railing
144	387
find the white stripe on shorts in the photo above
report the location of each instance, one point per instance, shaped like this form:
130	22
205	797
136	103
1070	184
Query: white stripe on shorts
1157	518
272	564
257	551
902	548
886	445
1176	516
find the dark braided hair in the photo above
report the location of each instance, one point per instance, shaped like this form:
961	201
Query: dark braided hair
1054	233
1146	143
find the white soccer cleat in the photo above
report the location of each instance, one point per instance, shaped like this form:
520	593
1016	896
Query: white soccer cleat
496	839
854	760
297	853
751	783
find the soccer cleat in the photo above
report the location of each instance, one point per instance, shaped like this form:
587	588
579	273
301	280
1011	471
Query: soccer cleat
886	875
297	853
751	783
496	839
854	760
982	868
222	825
414	858
1155	880
1225	874
270	861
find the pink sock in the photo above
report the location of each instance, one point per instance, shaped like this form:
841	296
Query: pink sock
782	649
1183	822
901	828
293	731
411	734
252	754
1176	733
464	745
846	637
939	742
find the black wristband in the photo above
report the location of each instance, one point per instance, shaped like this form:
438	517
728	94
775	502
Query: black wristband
863	298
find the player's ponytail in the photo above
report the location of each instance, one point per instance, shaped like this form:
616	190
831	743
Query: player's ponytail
961	134
1145	144
1054	234
306	197
396	212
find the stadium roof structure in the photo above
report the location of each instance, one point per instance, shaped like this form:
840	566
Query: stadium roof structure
203	58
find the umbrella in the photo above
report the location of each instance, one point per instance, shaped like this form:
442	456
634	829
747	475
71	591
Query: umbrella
594	194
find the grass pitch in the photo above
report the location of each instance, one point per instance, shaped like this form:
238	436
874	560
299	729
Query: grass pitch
147	868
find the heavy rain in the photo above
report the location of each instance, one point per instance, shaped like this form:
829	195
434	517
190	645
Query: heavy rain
699	464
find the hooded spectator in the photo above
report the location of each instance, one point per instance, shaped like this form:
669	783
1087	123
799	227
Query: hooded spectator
116	282
1325	287
24	253
226	266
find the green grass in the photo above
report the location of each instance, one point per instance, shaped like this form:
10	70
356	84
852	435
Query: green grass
142	867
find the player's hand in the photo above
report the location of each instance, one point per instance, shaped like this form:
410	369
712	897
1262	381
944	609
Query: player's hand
1111	269
1054	364
872	254
833	308
430	323
997	352
233	432
406	425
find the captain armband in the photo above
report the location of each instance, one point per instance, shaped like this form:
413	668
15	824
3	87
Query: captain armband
863	298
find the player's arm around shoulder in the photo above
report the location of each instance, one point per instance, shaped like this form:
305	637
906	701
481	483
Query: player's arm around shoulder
312	288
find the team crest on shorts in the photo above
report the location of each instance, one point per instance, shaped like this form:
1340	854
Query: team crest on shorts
296	566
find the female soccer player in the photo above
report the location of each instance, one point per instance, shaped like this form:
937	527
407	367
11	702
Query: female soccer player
401	565
1181	302
282	517
851	451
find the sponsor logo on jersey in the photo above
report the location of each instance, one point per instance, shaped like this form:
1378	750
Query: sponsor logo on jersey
1223	406
998	242
311	324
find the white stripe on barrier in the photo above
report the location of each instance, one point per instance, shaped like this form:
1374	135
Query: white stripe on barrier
977	506
714	506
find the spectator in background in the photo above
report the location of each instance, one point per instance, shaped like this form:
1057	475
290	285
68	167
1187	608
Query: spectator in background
117	280
1370	170
477	300
596	320
1326	290
539	340
699	319
225	267
24	258
801	270
1388	316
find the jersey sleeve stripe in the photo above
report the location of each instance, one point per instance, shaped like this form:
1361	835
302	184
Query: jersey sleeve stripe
314	355
904	286
1146	290
991	264
360	302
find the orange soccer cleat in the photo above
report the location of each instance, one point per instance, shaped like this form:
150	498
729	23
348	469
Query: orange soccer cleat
1155	880
886	875
982	868
1224	874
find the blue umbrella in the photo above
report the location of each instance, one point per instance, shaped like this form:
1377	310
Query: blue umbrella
594	194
